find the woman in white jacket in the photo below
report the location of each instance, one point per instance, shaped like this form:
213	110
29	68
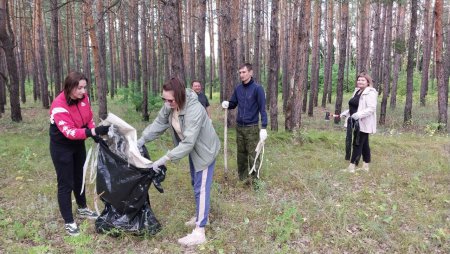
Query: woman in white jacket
362	109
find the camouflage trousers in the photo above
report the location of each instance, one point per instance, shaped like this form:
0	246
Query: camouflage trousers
247	138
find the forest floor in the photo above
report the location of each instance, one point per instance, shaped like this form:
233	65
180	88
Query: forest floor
304	203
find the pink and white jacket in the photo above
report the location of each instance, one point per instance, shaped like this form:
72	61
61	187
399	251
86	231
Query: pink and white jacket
71	119
367	110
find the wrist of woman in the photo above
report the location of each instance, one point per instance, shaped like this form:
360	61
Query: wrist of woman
93	132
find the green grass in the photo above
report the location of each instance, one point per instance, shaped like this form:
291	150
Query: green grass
304	204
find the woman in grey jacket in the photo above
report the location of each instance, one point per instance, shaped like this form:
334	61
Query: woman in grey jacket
362	109
194	135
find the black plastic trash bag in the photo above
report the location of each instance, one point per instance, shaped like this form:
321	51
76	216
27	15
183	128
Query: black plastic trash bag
123	188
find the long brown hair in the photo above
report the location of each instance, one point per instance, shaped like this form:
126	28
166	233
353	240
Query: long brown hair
71	82
179	90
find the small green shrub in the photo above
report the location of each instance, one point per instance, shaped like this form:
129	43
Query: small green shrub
285	225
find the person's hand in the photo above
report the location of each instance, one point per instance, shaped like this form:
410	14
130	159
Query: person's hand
263	134
342	115
160	162
102	130
140	143
355	116
225	104
96	139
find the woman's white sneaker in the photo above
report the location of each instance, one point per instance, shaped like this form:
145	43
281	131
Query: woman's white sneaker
72	229
87	213
195	238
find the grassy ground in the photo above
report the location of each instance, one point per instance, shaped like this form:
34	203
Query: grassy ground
305	204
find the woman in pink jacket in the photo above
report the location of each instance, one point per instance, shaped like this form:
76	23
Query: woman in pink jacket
71	122
362	113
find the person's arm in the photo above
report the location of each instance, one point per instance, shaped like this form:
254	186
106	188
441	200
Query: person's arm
159	125
60	116
262	106
233	102
208	110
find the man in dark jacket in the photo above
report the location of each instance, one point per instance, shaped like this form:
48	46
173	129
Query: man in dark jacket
250	99
197	87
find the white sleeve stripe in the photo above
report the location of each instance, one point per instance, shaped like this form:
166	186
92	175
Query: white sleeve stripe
56	111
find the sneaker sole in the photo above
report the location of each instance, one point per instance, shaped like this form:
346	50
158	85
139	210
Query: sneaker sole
73	234
87	217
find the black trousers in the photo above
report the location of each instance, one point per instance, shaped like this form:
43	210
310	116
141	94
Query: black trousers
68	161
361	148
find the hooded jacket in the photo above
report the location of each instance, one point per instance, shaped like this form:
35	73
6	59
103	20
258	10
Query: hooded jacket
367	110
68	121
200	139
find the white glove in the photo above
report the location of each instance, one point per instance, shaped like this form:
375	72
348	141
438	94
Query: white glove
160	162
225	104
355	116
263	134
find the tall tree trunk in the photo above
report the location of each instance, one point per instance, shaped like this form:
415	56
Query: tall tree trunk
123	47
378	40
145	115
248	32
285	51
212	59
40	54
96	28
387	62
294	31
112	51
328	71
20	51
241	52
201	28
274	67
85	53
134	19
342	54
150	49
172	32
257	41
426	56
447	54
3	78
192	25
363	34
55	43
410	65
68	39
315	61
301	73
220	54
305	81
8	44
75	38
439	46
348	59
399	50
230	15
